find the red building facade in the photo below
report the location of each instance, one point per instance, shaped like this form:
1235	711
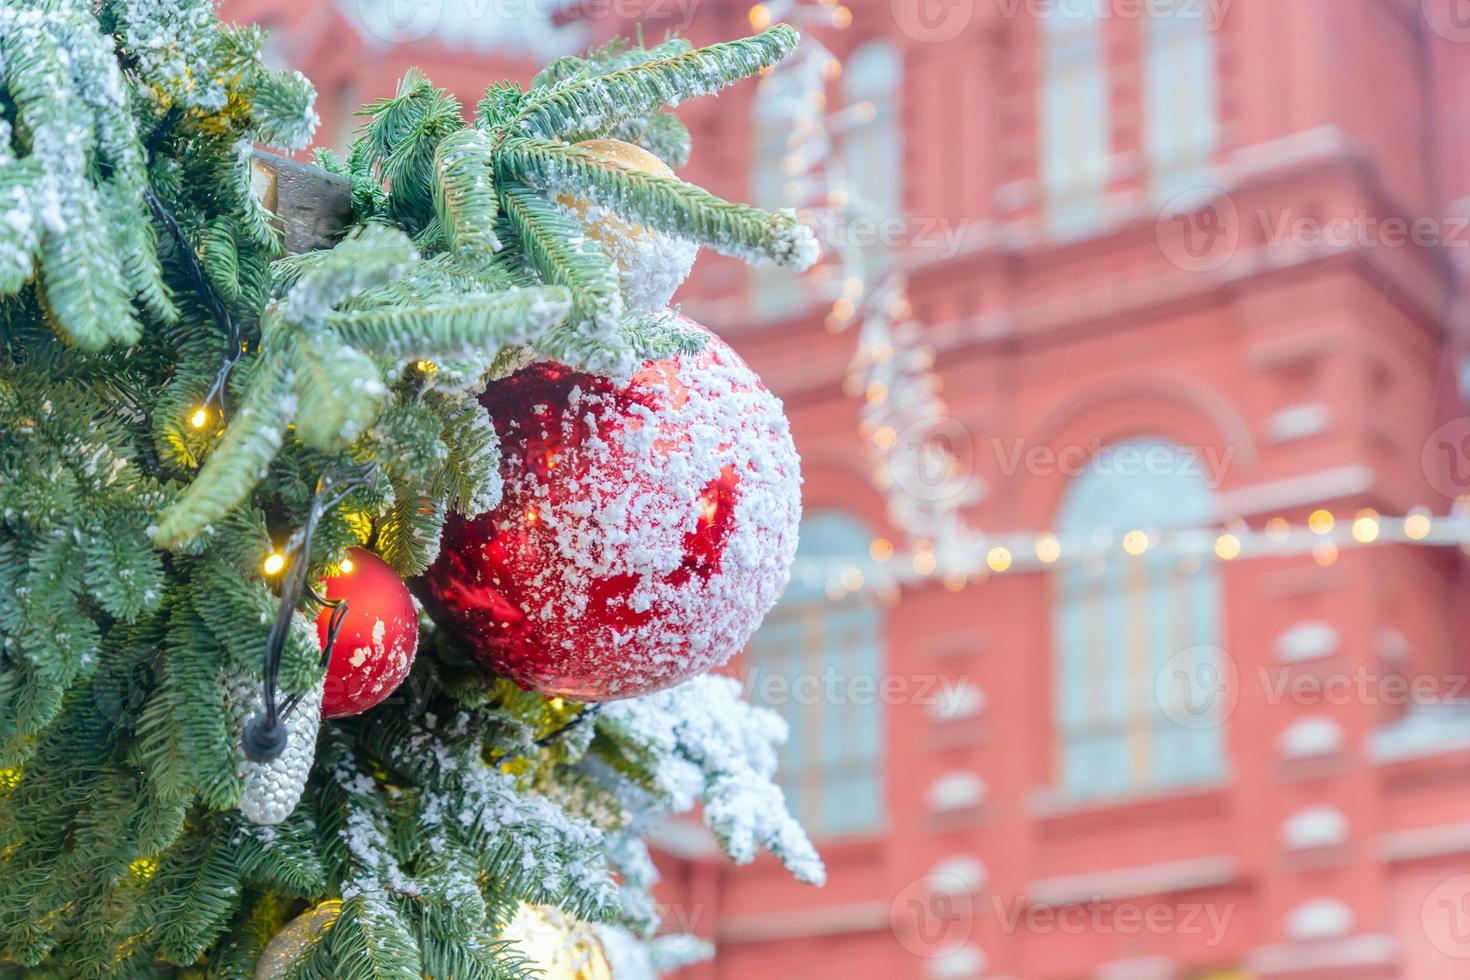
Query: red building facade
996	777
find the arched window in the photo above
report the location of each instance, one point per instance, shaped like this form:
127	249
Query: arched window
819	664
1075	141
1181	113
1130	631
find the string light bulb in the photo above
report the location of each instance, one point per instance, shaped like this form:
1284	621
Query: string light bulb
1135	543
1227	547
274	562
346	566
1365	527
999	559
1048	549
200	418
760	17
1321	522
881	549
1417	526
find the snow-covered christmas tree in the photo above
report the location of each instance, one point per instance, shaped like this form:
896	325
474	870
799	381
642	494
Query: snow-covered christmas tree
232	741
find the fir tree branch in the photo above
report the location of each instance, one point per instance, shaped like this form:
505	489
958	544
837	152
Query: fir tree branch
556	247
591	107
464	195
664	203
465	327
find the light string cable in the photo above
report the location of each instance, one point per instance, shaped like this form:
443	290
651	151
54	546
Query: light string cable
265	735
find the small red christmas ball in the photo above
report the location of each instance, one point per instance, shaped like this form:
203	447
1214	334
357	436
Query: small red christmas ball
375	646
647	525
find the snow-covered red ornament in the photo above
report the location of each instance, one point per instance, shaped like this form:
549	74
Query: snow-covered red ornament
375	646
646	528
651	264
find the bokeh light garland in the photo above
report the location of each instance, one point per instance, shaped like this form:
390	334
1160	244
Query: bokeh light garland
903	420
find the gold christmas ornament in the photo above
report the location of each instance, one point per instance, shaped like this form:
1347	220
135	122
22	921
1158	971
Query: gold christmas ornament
651	265
561	947
295	940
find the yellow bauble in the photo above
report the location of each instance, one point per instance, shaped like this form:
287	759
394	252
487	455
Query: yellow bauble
296	938
651	265
561	947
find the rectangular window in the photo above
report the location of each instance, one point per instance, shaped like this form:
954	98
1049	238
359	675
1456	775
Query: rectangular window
1075	139
1181	102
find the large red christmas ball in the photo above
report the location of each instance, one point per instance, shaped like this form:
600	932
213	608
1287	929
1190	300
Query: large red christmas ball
378	638
647	525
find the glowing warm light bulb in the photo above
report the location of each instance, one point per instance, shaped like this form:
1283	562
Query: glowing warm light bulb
924	562
557	704
852	579
1135	543
532	515
274	562
877	392
1365	527
886	437
1417	526
1325	554
1321	521
200	418
881	549
999	559
841	18
832	69
1227	547
1048	549
760	17
346	566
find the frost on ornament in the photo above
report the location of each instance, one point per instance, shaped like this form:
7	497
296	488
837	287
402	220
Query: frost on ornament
272	789
651	264
645	530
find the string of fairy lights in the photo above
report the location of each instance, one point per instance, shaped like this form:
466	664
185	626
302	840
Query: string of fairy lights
903	418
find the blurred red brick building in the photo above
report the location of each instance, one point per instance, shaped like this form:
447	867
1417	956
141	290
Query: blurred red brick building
996	776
